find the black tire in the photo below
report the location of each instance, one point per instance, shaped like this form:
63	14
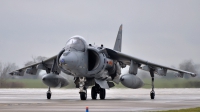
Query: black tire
83	95
93	93
152	94
102	93
48	95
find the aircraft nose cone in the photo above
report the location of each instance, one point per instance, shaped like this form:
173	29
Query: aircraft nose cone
68	60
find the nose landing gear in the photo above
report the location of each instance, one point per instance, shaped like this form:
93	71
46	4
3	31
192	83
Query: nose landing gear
83	89
83	95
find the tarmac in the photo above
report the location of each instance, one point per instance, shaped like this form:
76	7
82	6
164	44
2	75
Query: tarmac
117	100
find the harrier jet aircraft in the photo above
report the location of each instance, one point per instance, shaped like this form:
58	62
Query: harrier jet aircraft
95	66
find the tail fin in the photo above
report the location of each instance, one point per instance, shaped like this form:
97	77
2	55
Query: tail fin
118	42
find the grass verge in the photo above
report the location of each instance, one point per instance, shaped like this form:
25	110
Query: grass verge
184	110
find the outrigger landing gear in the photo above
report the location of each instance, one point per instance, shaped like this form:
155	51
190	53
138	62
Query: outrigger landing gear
98	90
152	93
49	93
83	89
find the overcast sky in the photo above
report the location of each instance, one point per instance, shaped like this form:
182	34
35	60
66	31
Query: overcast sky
164	32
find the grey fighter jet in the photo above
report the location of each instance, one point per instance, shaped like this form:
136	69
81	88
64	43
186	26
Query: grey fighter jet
95	66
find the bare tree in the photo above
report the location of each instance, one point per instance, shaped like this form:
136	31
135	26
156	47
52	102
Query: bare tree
33	61
4	72
188	65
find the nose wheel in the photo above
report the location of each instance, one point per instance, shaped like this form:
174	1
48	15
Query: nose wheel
83	95
83	88
49	94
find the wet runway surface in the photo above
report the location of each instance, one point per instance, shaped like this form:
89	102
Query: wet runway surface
117	100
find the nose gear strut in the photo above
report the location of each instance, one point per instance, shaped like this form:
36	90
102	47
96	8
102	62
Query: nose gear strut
83	89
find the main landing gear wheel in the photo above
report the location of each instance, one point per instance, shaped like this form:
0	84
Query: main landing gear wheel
83	95
49	94
93	93
102	93
98	90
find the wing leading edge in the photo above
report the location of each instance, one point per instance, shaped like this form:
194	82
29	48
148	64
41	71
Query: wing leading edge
32	69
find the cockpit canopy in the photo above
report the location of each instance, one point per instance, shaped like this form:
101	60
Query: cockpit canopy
76	44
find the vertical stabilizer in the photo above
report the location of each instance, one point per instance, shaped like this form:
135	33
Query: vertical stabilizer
118	42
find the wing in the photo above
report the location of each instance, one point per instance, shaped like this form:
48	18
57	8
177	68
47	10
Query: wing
32	69
124	60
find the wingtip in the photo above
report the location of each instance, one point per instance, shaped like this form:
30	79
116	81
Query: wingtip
193	75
